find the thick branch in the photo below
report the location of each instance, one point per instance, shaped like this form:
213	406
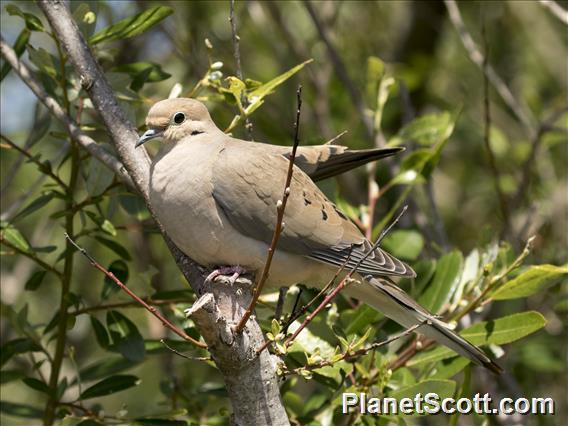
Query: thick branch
137	163
252	387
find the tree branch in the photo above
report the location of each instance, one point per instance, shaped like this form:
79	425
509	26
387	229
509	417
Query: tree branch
522	112
230	358
58	112
166	323
556	10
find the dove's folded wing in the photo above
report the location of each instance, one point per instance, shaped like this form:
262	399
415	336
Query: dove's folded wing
247	187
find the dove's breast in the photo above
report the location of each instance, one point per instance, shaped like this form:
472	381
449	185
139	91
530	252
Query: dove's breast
180	195
181	191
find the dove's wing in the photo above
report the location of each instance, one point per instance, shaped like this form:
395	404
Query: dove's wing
248	183
324	161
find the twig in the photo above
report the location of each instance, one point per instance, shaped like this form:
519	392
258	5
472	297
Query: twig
346	280
492	284
33	257
350	356
297	314
109	306
280	206
486	138
546	126
124	288
237	55
522	112
53	106
42	167
175	351
341	70
556	10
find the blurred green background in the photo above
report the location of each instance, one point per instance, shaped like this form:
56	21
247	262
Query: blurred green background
455	207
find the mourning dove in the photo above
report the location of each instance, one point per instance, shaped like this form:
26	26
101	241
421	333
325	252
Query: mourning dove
216	197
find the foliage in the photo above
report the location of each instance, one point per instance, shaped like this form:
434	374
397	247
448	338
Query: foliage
57	311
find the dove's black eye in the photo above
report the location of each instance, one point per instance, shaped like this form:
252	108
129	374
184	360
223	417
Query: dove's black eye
179	117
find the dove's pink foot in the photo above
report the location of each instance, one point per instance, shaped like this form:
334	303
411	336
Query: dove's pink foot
234	271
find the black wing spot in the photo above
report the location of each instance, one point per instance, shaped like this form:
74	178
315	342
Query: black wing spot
323	214
306	201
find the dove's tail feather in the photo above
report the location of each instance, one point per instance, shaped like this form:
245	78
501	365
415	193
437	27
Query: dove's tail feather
398	306
350	159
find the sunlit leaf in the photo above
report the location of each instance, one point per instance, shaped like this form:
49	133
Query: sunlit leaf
439	292
33	23
530	281
257	95
132	26
403	243
19	48
500	331
15	237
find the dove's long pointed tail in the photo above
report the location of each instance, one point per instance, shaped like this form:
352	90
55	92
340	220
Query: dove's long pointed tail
397	305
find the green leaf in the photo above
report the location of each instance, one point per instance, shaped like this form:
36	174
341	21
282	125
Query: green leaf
109	386
99	177
407	177
450	367
442	388
19	47
137	68
134	205
100	333
7	376
119	269
35	280
500	331
37	385
115	247
530	281
43	60
429	129
33	23
15	347
132	26
442	287
125	337
405	244
20	410
106	367
359	320
37	204
85	18
14	237
257	95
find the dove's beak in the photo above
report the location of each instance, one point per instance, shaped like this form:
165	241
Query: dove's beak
148	134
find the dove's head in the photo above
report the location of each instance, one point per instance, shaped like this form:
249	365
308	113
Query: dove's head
176	119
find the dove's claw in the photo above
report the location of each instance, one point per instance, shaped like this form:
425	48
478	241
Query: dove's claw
234	271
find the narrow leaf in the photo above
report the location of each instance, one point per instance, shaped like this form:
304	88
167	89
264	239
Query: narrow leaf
500	331
442	287
132	26
109	386
19	48
531	281
36	204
